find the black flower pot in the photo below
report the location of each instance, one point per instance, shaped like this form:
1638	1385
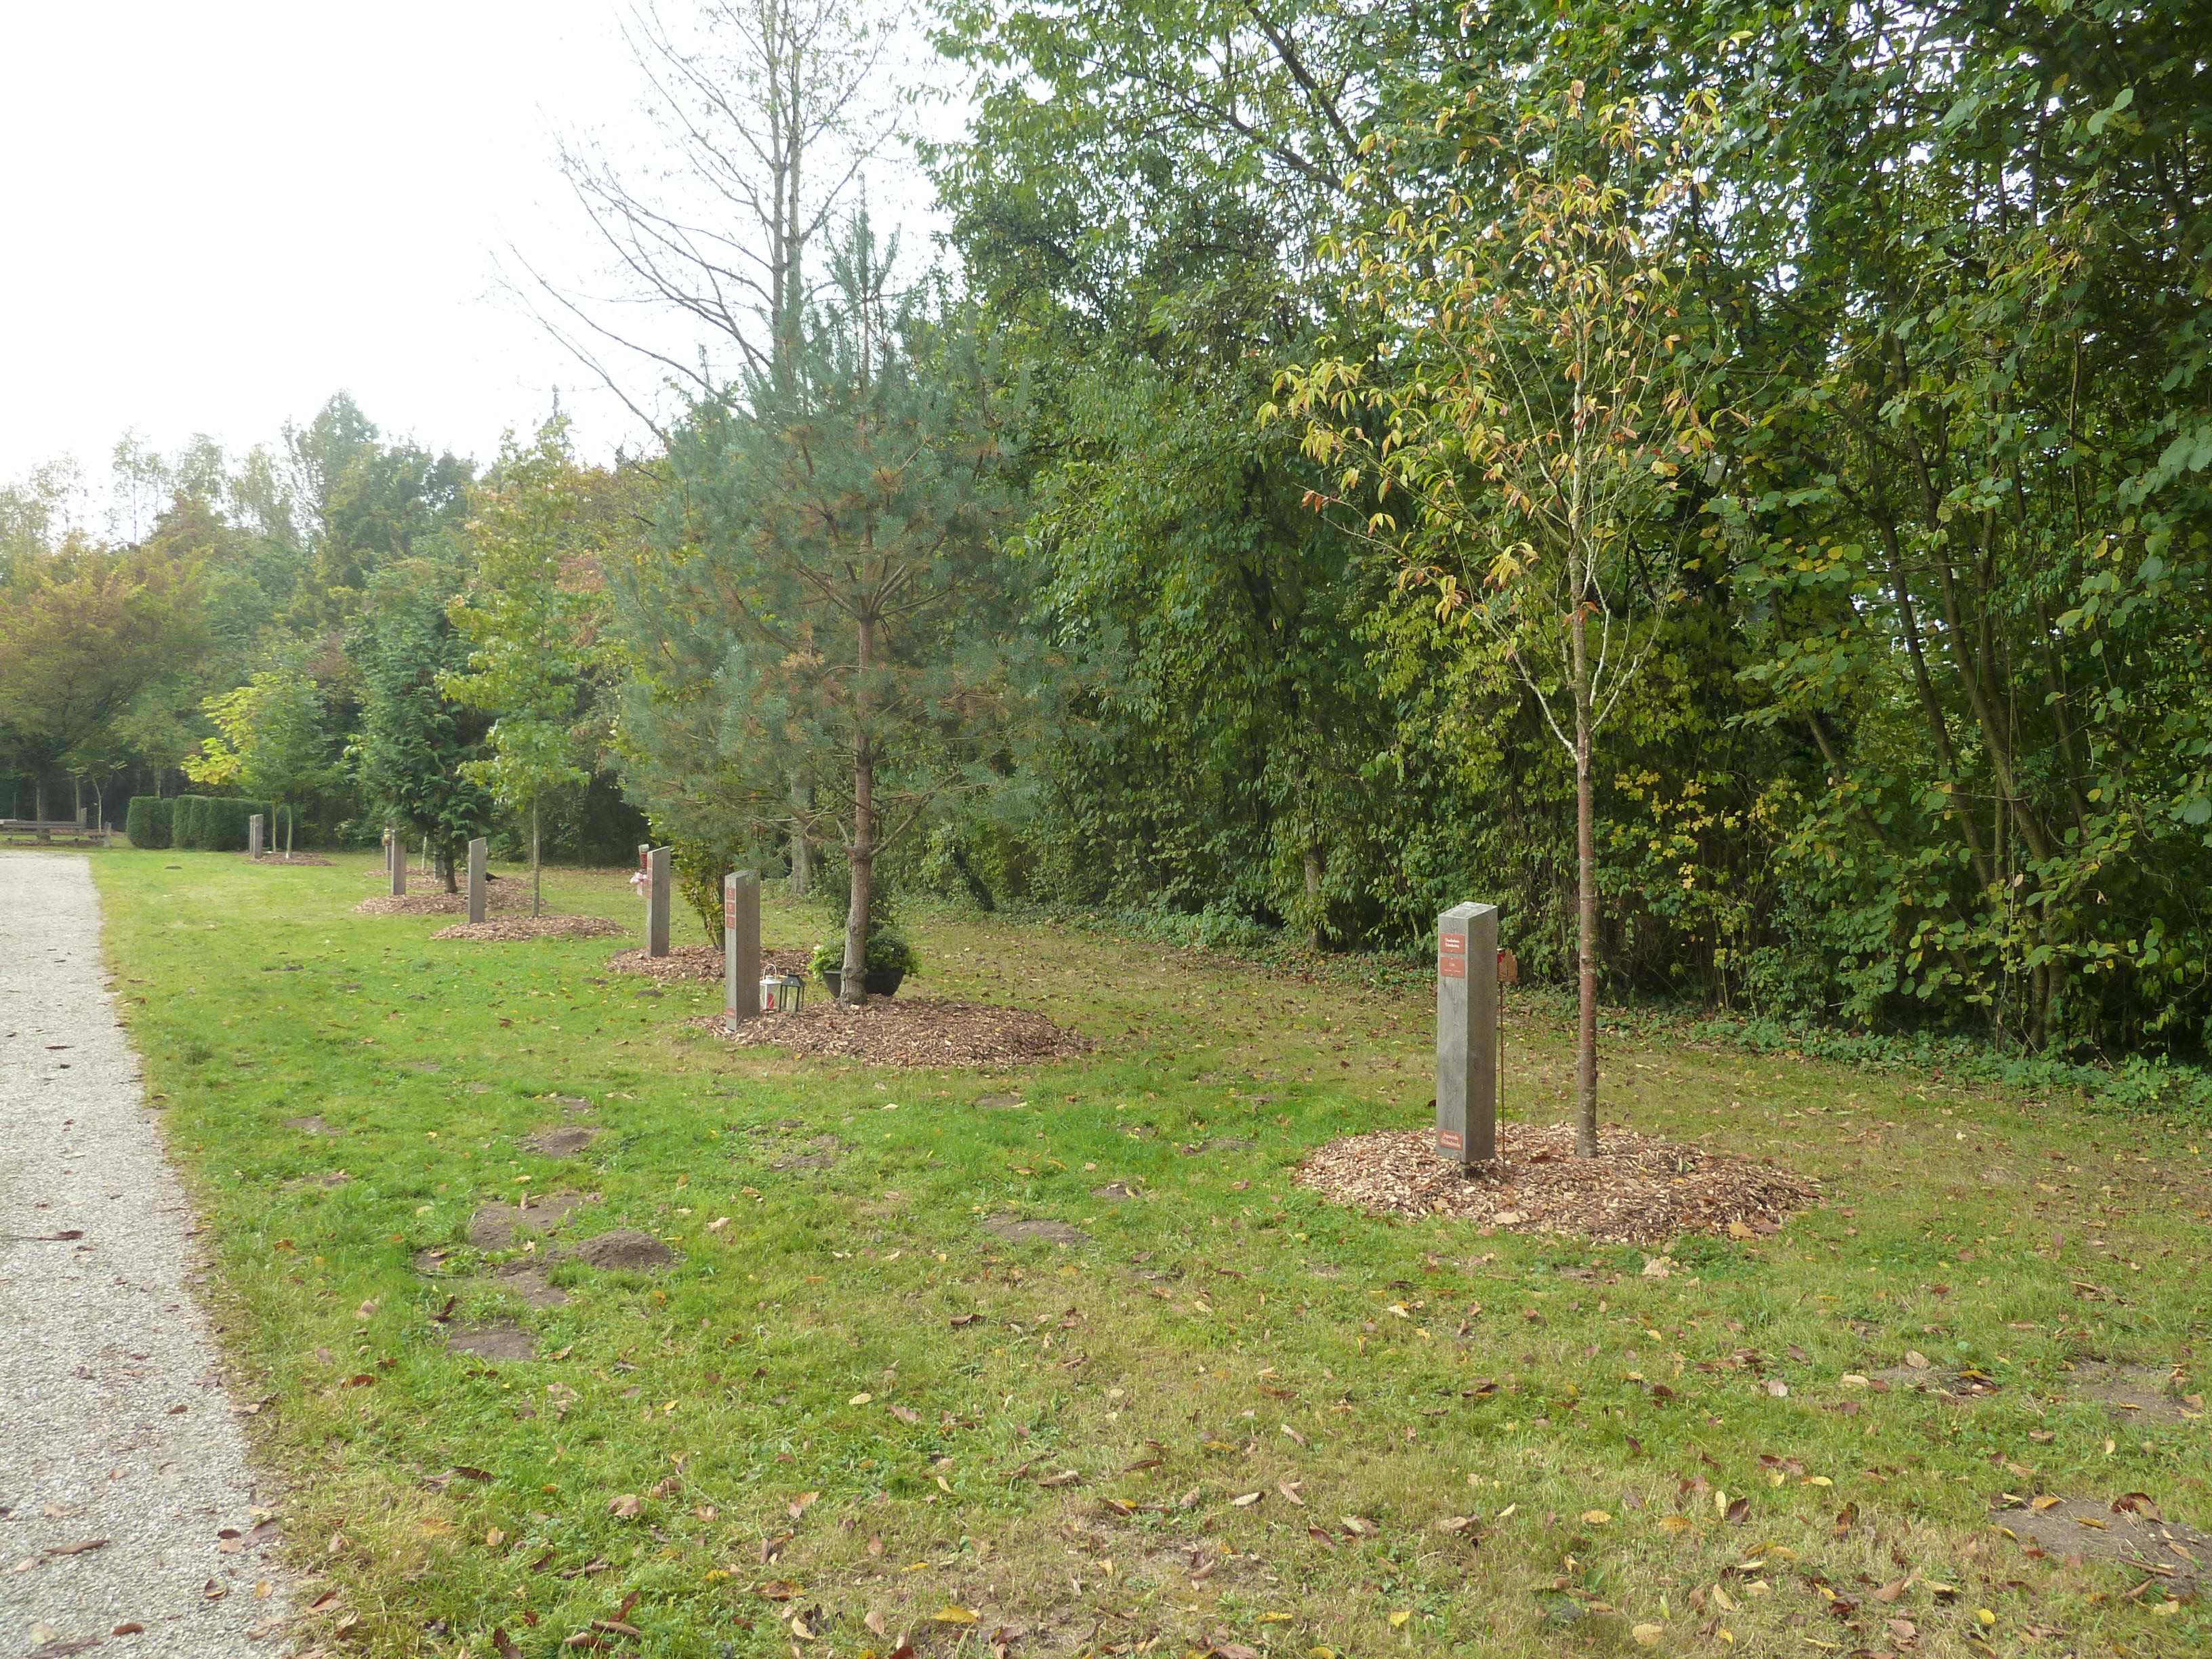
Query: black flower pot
878	985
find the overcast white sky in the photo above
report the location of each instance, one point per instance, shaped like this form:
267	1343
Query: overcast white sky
217	214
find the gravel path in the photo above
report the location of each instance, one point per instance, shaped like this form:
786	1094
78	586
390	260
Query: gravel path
121	1464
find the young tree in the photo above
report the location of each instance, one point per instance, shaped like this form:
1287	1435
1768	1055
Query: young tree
831	606
412	754
271	742
524	620
1533	405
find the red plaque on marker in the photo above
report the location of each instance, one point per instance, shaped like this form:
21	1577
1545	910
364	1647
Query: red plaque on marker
1451	956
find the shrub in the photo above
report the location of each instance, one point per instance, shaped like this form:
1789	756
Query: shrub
146	821
888	953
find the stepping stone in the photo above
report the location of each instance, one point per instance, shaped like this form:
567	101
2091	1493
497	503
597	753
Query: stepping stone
1018	1230
559	1140
2130	1529
495	1226
625	1249
2133	1393
498	1341
1114	1189
825	1155
529	1282
311	1125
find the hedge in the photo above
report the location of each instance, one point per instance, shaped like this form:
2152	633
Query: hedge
213	824
148	822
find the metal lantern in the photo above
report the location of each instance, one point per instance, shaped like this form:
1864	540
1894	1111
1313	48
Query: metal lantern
781	993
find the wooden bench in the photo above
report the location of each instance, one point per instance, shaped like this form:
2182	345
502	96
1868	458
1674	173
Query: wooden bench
52	829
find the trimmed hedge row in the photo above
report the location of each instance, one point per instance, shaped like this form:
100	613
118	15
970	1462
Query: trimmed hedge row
148	822
211	824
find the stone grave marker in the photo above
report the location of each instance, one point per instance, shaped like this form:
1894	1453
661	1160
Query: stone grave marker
654	860
477	851
1467	1033
253	836
741	946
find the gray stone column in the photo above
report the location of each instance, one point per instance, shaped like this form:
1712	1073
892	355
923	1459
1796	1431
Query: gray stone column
477	851
656	902
253	836
1467	1033
395	861
741	969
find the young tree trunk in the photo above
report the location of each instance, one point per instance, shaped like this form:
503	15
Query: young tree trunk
291	818
1585	910
802	850
1313	896
39	796
852	988
443	864
537	866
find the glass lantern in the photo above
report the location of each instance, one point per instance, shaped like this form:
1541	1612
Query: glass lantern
781	993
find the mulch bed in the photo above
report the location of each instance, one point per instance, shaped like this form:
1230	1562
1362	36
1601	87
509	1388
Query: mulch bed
504	895
911	1031
512	930
1640	1189
699	962
279	858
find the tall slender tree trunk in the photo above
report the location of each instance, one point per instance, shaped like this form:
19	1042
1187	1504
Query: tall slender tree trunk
853	989
802	849
537	864
1585	907
1313	896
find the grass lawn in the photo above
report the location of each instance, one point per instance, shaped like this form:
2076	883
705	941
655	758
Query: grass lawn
847	1415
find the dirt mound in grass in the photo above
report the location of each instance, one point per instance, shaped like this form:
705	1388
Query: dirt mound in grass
911	1031
1640	1189
698	962
514	930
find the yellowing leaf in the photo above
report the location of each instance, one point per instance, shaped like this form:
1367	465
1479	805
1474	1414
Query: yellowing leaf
1398	1620
859	1400
953	1613
1596	1518
1676	1522
1648	1636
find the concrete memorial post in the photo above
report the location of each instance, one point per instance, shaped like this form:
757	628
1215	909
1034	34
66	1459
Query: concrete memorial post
1467	1033
741	946
477	851
395	861
253	836
656	902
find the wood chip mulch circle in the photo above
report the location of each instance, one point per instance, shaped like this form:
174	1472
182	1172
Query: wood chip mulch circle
702	962
512	930
911	1031
1640	1189
279	860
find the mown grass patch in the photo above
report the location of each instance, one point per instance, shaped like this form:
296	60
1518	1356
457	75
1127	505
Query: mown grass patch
850	1405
